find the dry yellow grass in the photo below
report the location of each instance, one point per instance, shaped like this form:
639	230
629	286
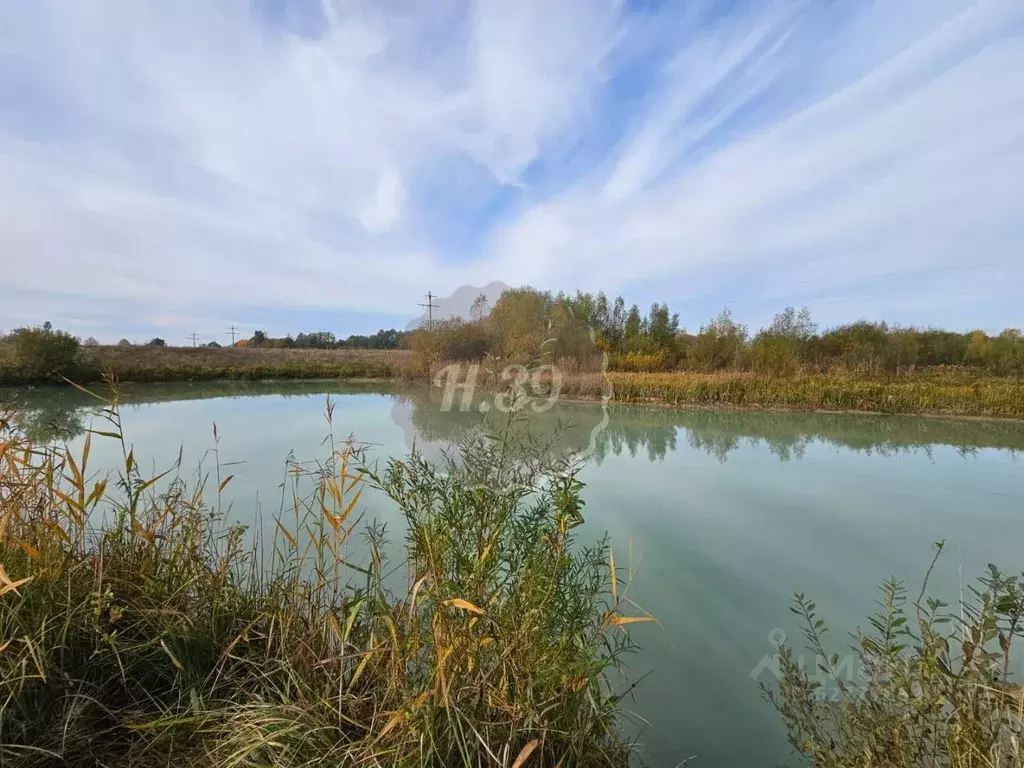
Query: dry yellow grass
952	394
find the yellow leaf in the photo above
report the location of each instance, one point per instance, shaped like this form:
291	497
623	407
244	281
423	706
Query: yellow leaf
220	488
12	586
28	549
525	753
618	621
398	717
288	535
465	605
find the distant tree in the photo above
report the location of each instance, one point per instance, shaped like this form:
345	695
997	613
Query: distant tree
213	345
720	343
124	343
259	339
632	323
91	342
662	326
478	309
781	346
43	352
47	326
156	341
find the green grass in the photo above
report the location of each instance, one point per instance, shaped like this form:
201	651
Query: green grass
137	628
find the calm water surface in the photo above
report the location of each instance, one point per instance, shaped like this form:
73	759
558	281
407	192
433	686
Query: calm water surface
724	515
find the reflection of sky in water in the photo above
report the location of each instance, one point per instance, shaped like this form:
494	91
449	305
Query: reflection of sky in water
724	514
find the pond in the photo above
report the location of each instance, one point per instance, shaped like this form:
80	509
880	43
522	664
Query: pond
723	515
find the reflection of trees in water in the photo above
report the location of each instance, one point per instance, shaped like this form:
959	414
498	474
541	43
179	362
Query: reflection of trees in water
58	424
566	429
62	413
658	440
788	435
655	431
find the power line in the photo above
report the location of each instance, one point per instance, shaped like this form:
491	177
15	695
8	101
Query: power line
430	307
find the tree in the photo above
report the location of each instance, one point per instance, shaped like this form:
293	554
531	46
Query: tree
781	346
44	353
47	326
156	341
213	345
519	323
720	343
124	343
662	326
91	342
478	309
790	324
633	323
259	339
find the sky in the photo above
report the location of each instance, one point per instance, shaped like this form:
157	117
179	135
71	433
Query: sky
177	167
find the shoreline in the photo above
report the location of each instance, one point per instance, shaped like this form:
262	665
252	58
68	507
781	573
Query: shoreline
741	408
577	399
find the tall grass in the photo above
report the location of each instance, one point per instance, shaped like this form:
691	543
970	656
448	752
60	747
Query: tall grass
138	627
950	394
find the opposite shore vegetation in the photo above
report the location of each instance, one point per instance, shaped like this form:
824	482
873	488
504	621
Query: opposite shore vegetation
594	343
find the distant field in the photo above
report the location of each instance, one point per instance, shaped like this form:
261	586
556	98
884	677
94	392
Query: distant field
147	364
180	363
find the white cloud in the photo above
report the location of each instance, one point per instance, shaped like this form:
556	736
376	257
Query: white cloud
199	159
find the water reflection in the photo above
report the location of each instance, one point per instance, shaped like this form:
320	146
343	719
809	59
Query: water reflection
61	414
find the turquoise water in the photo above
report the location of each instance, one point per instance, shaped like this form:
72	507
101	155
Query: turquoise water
724	515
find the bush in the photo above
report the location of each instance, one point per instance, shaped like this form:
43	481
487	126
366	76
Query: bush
43	354
932	687
641	362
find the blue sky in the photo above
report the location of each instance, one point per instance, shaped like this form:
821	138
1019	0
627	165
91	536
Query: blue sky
175	167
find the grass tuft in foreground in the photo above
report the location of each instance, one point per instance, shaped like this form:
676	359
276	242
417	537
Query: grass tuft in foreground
164	636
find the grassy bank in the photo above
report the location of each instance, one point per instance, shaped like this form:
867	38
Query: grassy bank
136	628
159	364
946	393
936	391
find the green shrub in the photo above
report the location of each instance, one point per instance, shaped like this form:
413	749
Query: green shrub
41	353
926	687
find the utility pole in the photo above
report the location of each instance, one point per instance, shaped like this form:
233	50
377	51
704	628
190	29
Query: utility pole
430	307
193	337
232	332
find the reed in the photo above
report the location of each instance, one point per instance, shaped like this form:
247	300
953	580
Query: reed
948	394
138	628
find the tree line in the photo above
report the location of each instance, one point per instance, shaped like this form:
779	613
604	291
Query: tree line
382	339
526	323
